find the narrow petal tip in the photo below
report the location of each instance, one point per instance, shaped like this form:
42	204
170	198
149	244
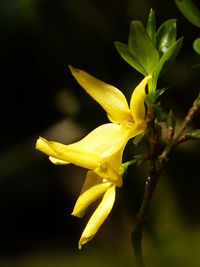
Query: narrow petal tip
39	141
84	240
80	245
78	215
58	161
73	70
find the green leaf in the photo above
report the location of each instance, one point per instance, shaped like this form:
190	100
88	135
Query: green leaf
166	35
167	59
142	47
124	52
159	92
151	26
196	45
189	10
152	97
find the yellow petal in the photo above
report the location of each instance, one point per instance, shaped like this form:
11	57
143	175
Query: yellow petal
93	188
104	140
58	161
98	217
137	106
70	153
89	151
108	96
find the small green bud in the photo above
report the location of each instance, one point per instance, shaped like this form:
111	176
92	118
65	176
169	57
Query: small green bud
194	134
171	123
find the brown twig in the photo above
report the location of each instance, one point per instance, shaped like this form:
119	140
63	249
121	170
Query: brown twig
176	140
156	166
154	138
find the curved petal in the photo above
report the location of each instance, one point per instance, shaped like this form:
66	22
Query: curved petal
93	188
104	140
69	153
98	217
108	96
137	101
89	151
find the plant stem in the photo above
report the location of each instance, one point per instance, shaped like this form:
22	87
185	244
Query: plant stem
156	166
154	138
191	113
142	215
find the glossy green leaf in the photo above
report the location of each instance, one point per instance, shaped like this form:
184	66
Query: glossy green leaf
196	45
142	47
167	59
129	58
151	26
166	35
189	10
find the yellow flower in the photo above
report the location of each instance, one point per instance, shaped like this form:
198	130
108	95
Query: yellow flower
101	150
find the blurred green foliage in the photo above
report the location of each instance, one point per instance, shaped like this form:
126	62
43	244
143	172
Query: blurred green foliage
189	10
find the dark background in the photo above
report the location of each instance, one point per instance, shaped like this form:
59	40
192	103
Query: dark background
39	96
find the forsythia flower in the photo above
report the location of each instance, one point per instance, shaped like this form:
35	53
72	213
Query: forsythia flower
101	150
